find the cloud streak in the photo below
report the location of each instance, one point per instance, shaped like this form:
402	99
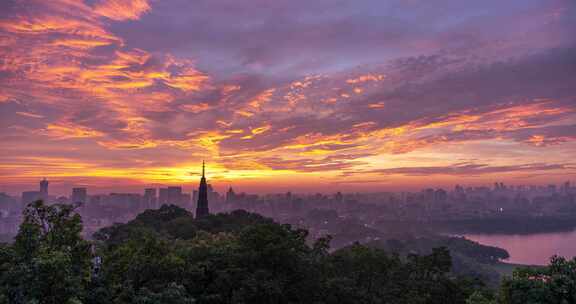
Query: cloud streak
294	87
473	169
122	9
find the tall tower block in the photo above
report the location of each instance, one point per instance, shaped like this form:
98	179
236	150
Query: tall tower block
202	207
43	194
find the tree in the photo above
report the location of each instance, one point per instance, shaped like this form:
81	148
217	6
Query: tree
49	261
555	283
166	256
361	274
479	298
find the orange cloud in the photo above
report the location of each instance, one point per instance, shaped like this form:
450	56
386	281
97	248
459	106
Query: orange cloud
378	105
69	130
134	144
259	130
187	80
195	108
366	78
261	99
543	141
120	10
80	43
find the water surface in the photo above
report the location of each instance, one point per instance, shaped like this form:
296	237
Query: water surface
531	249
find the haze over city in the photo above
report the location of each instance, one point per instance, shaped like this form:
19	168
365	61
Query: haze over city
305	96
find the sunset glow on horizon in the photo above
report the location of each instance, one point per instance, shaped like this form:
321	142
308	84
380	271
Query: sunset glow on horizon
282	95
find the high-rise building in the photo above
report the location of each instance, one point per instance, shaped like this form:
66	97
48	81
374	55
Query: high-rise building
186	201
126	201
194	195
173	196
149	200
440	195
202	207
43	189
163	196
213	196
338	197
79	195
230	196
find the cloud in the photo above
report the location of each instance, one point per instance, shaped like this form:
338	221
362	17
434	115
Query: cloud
31	115
122	9
305	165
545	136
289	85
472	169
61	54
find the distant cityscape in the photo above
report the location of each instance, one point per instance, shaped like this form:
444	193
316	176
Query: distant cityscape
320	213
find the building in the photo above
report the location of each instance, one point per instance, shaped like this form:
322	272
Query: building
32	196
79	195
440	195
44	190
124	201
230	196
186	201
173	196
149	200
162	196
213	196
202	207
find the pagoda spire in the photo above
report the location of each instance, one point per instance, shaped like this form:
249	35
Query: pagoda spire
202	209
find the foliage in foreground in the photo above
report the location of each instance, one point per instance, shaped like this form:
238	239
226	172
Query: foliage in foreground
166	256
554	284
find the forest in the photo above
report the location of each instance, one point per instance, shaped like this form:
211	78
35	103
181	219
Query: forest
168	256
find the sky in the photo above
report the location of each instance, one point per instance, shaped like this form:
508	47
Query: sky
323	95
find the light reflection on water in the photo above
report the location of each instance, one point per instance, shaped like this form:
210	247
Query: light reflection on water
532	249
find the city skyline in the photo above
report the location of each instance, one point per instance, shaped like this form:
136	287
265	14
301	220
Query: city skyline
324	96
84	191
498	201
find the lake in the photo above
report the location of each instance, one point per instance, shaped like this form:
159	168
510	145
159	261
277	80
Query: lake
531	249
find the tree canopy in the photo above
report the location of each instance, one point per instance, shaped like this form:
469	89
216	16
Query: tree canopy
167	256
554	284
